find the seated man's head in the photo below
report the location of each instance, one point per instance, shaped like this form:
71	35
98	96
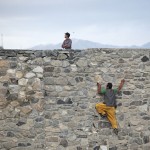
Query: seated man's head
67	35
109	86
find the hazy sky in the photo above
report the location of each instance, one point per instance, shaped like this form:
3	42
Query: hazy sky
25	23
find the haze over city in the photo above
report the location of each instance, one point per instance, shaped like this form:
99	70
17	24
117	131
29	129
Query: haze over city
26	23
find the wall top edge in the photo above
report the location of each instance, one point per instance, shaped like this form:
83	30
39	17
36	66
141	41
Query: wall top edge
78	50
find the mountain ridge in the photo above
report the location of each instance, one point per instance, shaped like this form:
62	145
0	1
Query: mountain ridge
84	44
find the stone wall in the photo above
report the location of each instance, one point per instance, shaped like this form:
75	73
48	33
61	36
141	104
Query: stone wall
47	99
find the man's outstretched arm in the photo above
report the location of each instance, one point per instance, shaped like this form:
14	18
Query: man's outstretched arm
121	85
98	88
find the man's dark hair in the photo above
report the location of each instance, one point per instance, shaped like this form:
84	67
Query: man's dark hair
109	85
68	34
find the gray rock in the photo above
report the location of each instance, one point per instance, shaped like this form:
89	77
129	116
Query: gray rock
24	144
30	75
146	147
20	123
52	139
23	82
48	69
14	80
127	92
137	141
113	148
13	89
60	101
67	70
146	117
145	59
65	64
82	63
146	139
38	69
49	81
79	79
64	142
39	119
13	65
37	61
12	97
9	145
143	108
104	124
10	134
96	148
33	100
126	55
82	136
56	63
136	103
3	89
62	56
61	81
121	60
68	101
2	72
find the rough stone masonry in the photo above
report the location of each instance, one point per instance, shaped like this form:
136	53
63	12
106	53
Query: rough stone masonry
47	99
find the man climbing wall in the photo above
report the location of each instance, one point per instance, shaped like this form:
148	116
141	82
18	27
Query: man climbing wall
107	108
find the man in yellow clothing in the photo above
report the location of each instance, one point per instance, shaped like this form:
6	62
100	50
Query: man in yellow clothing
107	108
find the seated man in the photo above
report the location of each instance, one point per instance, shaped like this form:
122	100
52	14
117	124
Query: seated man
107	108
67	42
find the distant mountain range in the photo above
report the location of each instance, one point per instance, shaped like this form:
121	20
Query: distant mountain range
84	44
